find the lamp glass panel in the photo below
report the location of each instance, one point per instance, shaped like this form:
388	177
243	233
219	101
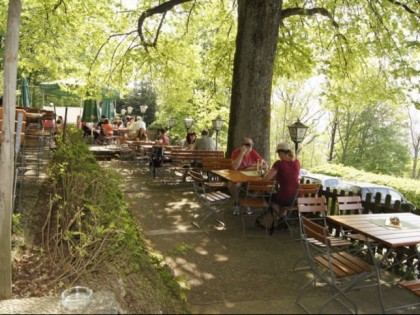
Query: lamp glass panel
143	108
188	122
171	122
300	134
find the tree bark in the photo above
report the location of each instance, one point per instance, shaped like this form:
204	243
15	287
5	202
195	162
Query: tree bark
7	166
256	45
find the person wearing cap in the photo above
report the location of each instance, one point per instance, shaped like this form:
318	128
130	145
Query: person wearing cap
244	157
189	140
286	171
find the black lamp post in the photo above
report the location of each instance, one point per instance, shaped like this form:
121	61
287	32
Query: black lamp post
143	108
217	125
297	133
171	123
188	123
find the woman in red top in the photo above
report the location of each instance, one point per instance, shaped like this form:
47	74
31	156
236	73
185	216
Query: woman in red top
286	172
107	128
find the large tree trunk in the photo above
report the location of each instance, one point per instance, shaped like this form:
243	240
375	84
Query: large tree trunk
7	147
256	43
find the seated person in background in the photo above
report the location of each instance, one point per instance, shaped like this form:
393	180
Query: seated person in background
107	128
163	139
106	131
189	140
127	121
188	144
59	125
133	128
142	135
286	171
141	123
205	142
243	158
117	123
86	130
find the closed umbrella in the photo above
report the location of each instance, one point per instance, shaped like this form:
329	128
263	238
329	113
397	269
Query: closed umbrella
91	112
108	109
24	85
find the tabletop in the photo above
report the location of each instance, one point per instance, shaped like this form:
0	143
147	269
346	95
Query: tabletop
377	226
237	176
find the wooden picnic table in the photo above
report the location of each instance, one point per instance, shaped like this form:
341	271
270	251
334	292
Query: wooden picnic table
377	226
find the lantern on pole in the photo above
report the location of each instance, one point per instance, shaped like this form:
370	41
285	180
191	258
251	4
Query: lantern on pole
217	125
188	123
297	133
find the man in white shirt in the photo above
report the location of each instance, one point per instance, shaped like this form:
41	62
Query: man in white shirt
135	126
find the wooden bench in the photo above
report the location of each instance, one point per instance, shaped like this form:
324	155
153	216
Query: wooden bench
183	160
216	163
183	157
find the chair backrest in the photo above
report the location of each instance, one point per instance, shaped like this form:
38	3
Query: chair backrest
307	190
216	163
312	205
198	181
260	189
313	230
349	205
263	186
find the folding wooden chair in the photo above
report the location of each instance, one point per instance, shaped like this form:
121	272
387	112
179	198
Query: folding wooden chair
291	217
210	199
340	271
315	209
352	205
258	197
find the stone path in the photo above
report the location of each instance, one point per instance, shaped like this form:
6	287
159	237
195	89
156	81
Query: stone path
225	272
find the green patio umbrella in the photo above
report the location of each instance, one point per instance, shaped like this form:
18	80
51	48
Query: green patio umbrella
24	86
91	111
108	109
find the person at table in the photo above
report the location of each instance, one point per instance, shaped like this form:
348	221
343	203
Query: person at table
130	120
163	138
286	171
59	125
190	140
142	135
244	157
117	123
133	128
205	143
107	129
141	122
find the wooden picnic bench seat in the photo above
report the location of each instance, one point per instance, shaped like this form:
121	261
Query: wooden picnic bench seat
183	160
181	156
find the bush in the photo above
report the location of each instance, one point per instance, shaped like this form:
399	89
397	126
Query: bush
89	227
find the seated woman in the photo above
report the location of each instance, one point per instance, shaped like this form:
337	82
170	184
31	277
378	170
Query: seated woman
106	129
142	135
163	139
189	141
